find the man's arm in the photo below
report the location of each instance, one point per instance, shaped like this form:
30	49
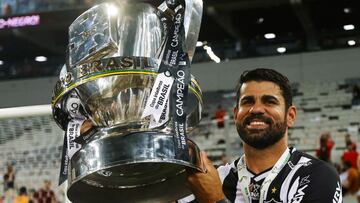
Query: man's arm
207	186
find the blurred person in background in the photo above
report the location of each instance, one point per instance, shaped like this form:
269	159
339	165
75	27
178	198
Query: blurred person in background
356	95
220	114
326	146
351	155
23	197
358	170
6	9
350	179
9	194
9	177
45	194
9	183
348	140
31	196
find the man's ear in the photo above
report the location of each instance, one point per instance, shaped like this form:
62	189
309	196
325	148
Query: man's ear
235	110
291	116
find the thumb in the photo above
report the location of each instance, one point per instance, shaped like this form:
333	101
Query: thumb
206	161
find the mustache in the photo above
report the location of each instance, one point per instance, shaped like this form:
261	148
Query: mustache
265	119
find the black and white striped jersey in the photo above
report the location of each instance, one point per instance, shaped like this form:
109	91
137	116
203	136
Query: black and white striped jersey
303	179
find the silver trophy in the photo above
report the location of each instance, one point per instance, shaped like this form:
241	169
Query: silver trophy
114	55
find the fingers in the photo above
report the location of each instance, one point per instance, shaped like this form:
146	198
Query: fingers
207	163
204	161
204	158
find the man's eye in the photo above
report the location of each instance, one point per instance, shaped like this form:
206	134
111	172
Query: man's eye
271	102
245	102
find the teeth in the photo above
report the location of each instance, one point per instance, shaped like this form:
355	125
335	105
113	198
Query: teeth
257	123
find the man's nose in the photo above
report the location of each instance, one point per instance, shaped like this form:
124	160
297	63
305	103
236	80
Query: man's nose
257	108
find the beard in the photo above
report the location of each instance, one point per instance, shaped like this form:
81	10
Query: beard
261	138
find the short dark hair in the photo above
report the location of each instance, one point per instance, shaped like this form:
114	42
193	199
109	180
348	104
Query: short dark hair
264	74
22	190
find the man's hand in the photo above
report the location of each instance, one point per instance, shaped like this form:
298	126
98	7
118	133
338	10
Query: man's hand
206	186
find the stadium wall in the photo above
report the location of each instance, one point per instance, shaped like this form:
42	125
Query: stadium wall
313	66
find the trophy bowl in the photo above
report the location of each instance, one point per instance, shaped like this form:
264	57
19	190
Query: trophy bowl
139	167
125	157
119	100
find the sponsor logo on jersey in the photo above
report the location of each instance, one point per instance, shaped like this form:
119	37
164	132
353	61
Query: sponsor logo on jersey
337	196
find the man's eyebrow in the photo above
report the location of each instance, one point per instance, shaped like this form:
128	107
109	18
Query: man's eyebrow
247	97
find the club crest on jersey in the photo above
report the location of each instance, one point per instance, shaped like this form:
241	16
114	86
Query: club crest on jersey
304	181
254	191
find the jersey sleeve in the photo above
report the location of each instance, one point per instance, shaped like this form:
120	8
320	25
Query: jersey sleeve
318	183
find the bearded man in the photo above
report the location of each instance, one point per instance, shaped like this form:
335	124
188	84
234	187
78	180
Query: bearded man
269	171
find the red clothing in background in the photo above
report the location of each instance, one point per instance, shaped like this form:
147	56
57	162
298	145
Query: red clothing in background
324	153
220	117
44	196
350	156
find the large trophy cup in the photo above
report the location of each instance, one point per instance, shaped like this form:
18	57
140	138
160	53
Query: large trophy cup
126	100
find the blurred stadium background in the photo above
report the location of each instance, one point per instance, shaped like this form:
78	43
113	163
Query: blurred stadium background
314	42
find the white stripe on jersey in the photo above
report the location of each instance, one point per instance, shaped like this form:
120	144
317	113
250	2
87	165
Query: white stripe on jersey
239	195
186	199
262	176
225	170
286	184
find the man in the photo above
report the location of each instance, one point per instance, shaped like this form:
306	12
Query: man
9	183
23	197
220	116
45	194
269	171
326	146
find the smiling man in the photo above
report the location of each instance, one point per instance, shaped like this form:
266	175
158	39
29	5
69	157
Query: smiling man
269	171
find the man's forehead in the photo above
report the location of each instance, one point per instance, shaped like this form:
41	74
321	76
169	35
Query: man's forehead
253	88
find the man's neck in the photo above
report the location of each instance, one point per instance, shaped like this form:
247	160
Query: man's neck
259	160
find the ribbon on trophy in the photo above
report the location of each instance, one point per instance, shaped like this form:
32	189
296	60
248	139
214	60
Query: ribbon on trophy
64	162
158	102
70	146
176	62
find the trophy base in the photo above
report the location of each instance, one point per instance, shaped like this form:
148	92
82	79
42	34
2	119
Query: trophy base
138	167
